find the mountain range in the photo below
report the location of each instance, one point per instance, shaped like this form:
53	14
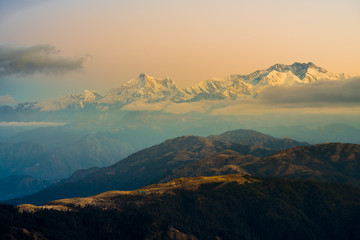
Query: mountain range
147	110
151	90
37	157
192	156
161	162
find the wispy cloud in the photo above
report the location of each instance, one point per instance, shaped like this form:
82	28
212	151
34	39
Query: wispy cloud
322	97
171	107
322	93
45	59
6	100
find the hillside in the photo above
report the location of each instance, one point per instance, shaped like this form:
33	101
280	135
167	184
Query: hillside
94	150
195	156
254	138
225	207
145	167
335	162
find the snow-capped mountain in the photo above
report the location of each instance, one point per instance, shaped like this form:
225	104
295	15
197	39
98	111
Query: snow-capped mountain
151	90
253	84
308	72
145	88
215	89
73	101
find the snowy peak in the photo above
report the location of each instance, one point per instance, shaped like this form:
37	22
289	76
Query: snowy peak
295	67
156	83
208	86
71	102
307	72
87	96
308	66
215	89
146	81
146	88
275	78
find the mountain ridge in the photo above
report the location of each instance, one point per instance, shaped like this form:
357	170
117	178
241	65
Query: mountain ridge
329	162
222	207
151	89
163	162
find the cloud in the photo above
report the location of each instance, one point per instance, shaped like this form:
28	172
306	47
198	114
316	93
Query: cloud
322	97
45	59
6	100
23	124
175	108
319	94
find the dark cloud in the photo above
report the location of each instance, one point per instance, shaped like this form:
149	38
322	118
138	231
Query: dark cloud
321	93
45	59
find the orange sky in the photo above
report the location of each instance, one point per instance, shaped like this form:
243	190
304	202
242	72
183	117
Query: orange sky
186	40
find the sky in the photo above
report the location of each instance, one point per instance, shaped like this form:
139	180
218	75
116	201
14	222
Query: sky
61	46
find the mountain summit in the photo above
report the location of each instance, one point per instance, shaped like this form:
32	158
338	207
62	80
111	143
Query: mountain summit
144	88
